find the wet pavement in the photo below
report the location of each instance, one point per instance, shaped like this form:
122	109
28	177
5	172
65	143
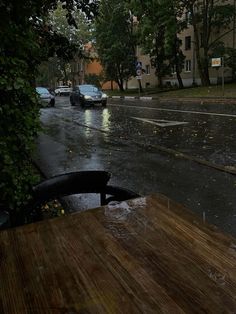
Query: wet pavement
150	147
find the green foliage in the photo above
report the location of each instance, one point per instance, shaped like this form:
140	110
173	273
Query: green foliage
93	79
80	34
158	27
57	69
116	41
26	39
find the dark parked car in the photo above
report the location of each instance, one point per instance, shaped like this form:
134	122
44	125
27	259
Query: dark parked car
87	95
47	99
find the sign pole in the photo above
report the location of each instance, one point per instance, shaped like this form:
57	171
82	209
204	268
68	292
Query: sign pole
138	67
223	77
219	62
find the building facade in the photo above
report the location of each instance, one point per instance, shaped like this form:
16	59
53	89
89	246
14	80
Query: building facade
190	74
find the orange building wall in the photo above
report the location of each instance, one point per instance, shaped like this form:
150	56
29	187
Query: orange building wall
95	67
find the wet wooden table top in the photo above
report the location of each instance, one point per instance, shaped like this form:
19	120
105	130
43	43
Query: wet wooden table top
148	255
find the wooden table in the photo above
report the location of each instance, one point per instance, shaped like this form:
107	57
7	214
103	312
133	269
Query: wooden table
148	255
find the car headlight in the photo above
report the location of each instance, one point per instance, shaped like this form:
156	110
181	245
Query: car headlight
87	97
104	95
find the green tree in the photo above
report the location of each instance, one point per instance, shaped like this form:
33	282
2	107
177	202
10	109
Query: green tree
115	41
171	15
81	34
26	39
57	69
158	26
208	18
94	79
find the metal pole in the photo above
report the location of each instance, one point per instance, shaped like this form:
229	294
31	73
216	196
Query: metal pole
194	82
223	78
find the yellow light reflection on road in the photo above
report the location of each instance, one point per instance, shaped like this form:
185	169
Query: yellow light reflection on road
87	120
106	120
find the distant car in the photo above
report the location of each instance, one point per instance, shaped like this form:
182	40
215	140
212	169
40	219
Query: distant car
47	99
63	90
87	95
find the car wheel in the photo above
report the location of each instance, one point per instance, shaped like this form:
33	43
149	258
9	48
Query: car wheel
82	104
104	103
52	103
72	102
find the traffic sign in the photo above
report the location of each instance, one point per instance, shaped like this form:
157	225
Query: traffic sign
138	65
139	72
139	77
216	62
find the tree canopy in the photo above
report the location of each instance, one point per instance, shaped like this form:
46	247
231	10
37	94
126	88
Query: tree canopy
115	41
57	68
158	26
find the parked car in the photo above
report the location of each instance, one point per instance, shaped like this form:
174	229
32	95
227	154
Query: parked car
63	90
47	99
87	95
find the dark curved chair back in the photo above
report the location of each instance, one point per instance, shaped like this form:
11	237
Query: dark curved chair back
75	183
69	184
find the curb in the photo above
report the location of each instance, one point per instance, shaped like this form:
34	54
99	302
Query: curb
202	100
132	97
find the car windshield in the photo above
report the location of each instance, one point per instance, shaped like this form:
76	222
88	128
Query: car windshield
42	90
88	88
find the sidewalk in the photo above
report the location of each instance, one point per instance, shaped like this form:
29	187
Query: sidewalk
202	100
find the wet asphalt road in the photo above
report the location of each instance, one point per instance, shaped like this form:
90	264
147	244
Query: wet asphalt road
140	143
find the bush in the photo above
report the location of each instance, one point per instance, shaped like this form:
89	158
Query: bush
19	113
26	40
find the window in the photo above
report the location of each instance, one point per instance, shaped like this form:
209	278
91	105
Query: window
188	66
147	70
187	42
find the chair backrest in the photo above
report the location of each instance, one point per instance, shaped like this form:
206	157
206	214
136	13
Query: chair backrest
75	183
69	184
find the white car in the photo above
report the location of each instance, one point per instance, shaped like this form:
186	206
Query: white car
63	90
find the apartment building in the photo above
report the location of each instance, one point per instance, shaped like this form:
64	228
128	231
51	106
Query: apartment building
189	74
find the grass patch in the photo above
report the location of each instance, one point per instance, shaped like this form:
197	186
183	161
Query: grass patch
211	91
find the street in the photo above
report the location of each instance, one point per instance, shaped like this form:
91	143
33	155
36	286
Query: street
186	152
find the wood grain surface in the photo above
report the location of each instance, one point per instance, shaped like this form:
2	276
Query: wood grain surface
148	255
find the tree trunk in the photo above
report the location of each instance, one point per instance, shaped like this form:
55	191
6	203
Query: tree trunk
202	64
179	78
160	80
120	84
